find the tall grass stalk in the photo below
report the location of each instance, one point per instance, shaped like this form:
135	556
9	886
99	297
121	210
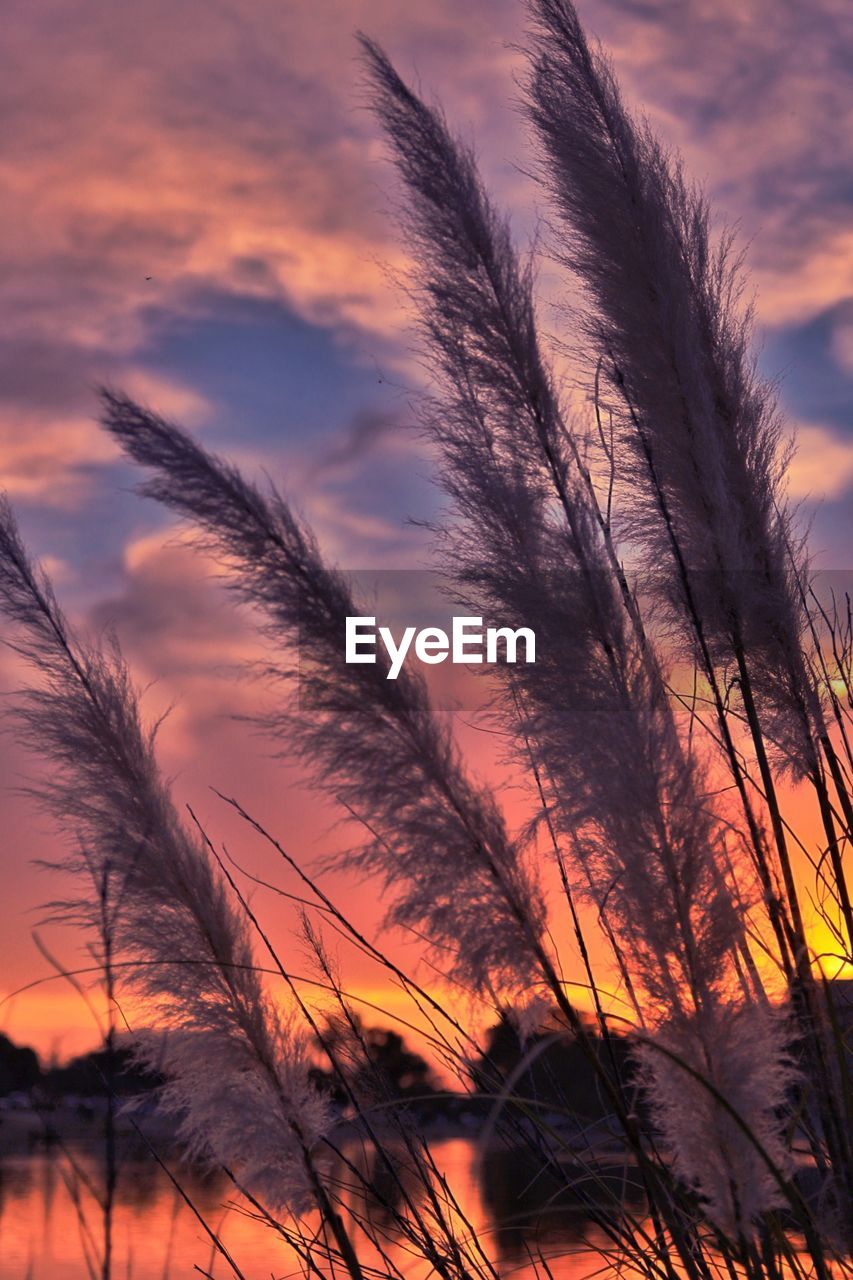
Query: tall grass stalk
236	1068
376	744
702	458
621	785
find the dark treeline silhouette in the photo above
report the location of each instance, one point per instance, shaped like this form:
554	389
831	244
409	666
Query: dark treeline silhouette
559	1073
548	1068
19	1067
85	1075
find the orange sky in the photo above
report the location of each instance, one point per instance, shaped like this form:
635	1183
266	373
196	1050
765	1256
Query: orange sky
195	207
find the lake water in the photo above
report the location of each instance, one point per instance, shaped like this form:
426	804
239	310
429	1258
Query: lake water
156	1236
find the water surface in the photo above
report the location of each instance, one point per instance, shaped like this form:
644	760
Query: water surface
49	1221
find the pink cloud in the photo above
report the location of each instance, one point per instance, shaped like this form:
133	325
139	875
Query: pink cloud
49	458
151	149
758	96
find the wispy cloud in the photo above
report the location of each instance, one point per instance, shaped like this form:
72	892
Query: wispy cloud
759	96
152	152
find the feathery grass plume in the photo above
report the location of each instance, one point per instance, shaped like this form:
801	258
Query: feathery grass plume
624	791
436	840
750	1068
702	460
236	1068
703	432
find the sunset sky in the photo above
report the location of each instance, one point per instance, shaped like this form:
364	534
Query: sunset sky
196	207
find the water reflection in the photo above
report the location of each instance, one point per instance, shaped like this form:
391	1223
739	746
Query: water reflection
48	1220
526	1200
